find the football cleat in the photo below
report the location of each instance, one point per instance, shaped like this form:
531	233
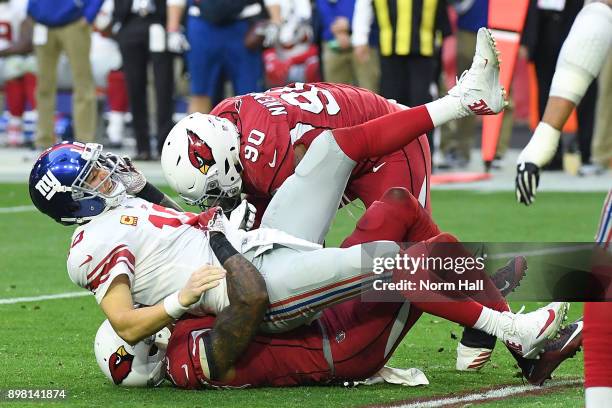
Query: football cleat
527	333
509	276
478	88
472	358
475	348
555	352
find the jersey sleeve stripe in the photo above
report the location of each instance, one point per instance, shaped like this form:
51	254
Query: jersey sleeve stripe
122	257
103	261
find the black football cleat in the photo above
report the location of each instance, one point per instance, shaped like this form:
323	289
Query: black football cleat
555	352
508	277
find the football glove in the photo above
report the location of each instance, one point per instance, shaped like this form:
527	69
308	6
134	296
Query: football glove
243	216
177	42
213	220
527	180
127	174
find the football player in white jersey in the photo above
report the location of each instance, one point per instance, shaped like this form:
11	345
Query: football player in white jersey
17	66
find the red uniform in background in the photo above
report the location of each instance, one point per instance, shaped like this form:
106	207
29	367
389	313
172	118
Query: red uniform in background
273	122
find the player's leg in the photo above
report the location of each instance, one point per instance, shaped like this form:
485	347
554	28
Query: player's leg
301	284
598	328
477	92
313	193
409	168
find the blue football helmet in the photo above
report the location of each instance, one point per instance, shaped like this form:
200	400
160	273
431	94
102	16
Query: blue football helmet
58	183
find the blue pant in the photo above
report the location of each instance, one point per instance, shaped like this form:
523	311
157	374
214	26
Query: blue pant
218	52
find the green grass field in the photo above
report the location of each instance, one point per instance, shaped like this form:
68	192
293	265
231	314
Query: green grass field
49	344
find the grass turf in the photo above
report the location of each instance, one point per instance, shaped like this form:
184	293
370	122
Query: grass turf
48	344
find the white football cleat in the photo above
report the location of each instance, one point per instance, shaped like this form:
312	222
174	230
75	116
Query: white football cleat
472	358
527	333
478	88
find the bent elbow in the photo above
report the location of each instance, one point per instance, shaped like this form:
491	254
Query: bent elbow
128	336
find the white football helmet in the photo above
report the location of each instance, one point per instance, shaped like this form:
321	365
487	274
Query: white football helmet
141	365
201	162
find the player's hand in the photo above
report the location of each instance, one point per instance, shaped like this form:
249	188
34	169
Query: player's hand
177	42
133	180
527	180
243	216
213	220
202	279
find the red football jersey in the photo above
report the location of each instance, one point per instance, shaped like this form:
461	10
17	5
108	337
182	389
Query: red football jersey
360	337
270	123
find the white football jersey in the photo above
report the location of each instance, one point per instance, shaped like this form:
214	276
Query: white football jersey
12	14
158	251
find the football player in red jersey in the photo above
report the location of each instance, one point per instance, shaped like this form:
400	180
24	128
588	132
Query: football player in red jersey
276	128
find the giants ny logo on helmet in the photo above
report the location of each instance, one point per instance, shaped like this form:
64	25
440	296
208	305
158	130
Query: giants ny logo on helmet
199	153
48	185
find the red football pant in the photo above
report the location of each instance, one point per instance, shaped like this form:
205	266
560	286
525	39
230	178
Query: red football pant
399	217
116	92
20	91
597	341
384	135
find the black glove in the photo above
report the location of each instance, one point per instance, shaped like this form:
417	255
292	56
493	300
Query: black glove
527	180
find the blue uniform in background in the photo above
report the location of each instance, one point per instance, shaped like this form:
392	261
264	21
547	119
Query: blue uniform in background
218	52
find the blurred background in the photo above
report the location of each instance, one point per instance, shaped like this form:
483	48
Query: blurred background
123	72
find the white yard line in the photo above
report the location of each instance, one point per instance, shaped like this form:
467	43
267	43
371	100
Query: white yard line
544	251
504	392
17	209
65	295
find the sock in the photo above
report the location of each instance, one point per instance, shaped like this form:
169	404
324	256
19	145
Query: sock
445	109
597	397
489	322
384	135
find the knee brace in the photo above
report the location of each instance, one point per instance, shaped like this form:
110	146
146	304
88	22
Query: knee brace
583	53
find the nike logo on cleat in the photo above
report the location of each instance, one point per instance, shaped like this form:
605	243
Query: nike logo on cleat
551	318
481	108
506	286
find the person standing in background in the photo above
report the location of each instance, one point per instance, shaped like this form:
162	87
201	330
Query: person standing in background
64	25
347	59
457	141
17	68
216	32
141	34
548	24
410	36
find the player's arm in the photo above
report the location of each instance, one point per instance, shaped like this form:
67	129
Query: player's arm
152	194
133	325
236	325
24	44
136	183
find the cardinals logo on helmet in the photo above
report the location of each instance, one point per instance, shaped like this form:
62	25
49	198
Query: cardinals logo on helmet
199	153
120	365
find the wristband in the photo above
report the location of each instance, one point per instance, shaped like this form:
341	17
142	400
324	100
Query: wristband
221	247
173	306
